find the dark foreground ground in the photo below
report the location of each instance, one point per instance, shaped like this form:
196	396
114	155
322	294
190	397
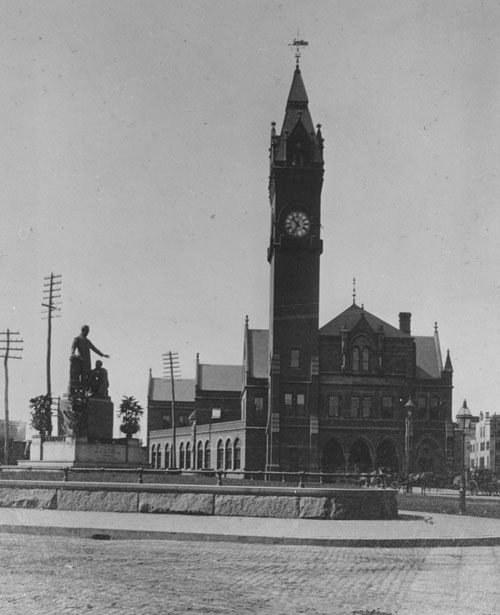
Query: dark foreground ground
71	576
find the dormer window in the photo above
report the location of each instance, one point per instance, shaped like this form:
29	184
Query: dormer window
366	359
361	358
355	359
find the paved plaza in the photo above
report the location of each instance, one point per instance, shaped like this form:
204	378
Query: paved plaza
49	575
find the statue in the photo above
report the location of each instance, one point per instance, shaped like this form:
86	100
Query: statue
80	363
99	382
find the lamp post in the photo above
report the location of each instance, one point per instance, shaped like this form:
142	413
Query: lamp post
410	407
464	420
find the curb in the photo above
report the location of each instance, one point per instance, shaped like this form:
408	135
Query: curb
387	543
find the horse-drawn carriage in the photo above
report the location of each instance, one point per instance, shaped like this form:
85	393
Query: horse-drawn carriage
483	482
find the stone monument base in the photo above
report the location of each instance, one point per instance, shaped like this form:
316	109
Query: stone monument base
99	421
73	452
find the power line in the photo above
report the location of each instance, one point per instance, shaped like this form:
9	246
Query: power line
8	346
171	366
51	292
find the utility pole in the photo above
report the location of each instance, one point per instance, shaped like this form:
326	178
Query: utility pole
8	345
171	367
51	288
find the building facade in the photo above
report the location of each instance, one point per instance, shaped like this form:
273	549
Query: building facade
354	394
484	443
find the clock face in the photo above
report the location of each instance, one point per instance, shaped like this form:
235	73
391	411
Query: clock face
297	224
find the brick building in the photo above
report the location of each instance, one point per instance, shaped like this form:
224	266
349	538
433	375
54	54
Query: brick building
352	395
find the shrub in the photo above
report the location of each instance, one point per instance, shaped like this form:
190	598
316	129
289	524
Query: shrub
41	419
130	413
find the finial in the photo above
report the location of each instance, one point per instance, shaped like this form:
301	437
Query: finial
354	291
435	327
298	43
246	320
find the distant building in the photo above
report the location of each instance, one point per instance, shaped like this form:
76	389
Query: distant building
352	395
484	443
17	430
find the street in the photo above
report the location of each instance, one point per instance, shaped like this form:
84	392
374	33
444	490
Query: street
54	575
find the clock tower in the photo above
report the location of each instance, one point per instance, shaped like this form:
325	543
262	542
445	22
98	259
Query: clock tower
296	178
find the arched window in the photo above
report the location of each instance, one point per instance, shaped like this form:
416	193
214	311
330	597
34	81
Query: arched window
229	455
167	456
158	456
355	359
237	454
181	455
220	455
153	456
366	359
199	455
188	456
206	461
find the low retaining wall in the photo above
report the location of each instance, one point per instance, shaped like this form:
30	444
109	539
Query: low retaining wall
241	501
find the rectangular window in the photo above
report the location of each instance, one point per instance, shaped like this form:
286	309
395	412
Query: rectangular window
387	407
288	403
333	405
367	407
482	446
487	446
259	407
421	402
294	357
301	403
354	407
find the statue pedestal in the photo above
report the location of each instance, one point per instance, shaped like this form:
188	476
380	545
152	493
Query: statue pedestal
100	414
68	451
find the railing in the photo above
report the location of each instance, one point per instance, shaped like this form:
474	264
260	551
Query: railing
374	480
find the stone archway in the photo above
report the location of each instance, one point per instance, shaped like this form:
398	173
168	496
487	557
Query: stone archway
387	457
360	459
333	459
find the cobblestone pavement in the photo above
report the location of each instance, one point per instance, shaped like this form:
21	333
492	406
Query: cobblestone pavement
53	575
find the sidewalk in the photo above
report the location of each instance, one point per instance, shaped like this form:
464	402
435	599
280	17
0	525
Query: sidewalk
410	530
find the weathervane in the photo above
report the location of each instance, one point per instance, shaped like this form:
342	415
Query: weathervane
298	43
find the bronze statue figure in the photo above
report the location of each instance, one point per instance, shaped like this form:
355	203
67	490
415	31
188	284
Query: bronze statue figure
80	364
99	382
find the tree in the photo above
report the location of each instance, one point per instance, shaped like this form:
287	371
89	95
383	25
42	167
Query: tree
130	413
41	419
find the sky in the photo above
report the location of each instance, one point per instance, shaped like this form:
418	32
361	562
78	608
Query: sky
134	163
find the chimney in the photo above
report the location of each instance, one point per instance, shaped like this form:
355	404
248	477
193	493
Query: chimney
405	322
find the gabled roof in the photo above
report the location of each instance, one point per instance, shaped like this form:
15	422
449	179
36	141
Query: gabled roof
161	390
257	353
220	377
350	318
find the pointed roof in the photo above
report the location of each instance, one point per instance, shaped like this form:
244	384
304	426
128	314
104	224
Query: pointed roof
257	353
428	357
349	318
297	116
298	92
161	390
220	377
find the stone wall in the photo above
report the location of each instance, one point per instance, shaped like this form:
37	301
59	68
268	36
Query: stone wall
289	503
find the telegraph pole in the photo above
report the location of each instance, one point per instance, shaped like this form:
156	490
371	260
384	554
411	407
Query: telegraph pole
171	366
51	288
8	345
